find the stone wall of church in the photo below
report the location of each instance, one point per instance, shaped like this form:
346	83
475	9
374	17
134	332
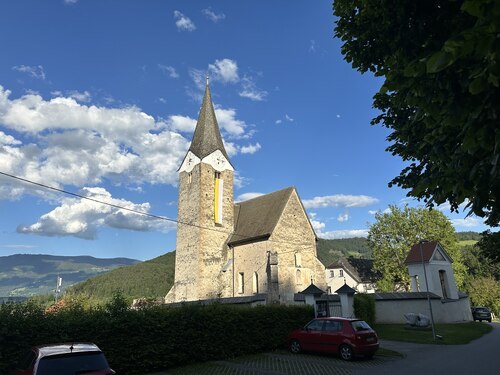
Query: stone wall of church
295	242
250	259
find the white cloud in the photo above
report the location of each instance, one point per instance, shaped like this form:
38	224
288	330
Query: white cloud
338	234
250	91
225	70
250	149
76	144
212	16
468	222
231	148
182	123
83	97
228	122
33	71
70	2
170	70
278	121
288	118
246	196
183	23
82	218
340	200
386	211
343	217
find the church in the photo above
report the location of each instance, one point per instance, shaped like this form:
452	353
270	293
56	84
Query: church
263	247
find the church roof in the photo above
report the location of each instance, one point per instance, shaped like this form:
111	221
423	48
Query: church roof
207	138
256	218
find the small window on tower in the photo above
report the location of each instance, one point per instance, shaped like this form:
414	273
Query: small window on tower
190	177
298	260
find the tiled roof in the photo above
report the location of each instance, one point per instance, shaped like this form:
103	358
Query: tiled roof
256	218
428	249
207	138
345	289
312	289
404	295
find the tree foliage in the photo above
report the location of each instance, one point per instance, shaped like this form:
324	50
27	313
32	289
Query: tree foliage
441	63
394	233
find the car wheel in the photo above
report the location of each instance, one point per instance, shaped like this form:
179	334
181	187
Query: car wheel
295	346
346	352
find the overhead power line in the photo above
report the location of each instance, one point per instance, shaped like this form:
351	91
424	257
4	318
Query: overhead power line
140	212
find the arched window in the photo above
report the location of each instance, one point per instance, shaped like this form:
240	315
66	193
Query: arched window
298	260
255	283
298	277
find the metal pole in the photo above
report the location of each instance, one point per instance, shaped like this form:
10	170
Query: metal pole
427	288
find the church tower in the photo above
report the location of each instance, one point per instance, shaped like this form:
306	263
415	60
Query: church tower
205	213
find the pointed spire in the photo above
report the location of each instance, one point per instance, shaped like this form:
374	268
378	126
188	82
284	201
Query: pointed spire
207	138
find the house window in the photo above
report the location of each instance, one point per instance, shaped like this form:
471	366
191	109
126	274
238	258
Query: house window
341	273
255	283
241	282
298	260
332	273
298	277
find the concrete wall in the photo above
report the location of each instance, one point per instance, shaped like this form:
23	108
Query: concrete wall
393	311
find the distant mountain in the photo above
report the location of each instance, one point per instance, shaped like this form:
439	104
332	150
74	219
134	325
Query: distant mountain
330	251
26	275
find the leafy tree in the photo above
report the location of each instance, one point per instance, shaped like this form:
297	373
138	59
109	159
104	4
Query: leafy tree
485	291
441	63
490	245
394	233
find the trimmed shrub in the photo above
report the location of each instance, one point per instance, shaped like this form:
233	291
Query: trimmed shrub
364	308
150	339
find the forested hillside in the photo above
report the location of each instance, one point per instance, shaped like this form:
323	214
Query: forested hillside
330	251
149	279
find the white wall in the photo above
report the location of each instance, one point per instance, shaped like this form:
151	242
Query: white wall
444	312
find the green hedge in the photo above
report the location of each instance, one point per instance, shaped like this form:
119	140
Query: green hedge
364	308
152	339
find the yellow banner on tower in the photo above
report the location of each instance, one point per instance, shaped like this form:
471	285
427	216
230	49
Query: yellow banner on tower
218	204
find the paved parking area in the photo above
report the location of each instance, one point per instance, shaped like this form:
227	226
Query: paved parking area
280	363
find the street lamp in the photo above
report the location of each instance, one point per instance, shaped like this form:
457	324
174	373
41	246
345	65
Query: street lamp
427	288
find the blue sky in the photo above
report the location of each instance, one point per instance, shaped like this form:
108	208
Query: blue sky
100	98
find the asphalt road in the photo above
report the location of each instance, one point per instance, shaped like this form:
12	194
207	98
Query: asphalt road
481	356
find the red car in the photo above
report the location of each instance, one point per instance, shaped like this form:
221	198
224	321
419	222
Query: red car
347	337
64	359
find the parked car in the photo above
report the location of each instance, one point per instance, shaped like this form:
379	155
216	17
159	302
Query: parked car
481	313
346	337
64	359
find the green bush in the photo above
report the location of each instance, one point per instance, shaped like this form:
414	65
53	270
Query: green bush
150	339
364	308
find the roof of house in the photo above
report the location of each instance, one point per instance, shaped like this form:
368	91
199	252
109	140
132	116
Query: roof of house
256	218
360	269
207	138
312	289
428	250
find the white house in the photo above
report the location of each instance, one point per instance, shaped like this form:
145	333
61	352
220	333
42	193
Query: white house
355	272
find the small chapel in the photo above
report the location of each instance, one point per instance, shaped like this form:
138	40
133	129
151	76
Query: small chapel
263	247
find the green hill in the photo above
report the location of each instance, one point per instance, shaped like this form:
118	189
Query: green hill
330	251
149	279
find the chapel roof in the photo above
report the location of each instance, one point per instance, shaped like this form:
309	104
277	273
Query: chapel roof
256	218
428	250
207	138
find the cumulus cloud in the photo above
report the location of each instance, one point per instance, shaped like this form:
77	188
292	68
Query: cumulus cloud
82	218
246	196
468	222
212	16
35	71
77	144
83	97
250	149
288	118
386	211
227	121
317	225
182	123
250	90
225	70
340	200
169	70
182	22
339	234
70	2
